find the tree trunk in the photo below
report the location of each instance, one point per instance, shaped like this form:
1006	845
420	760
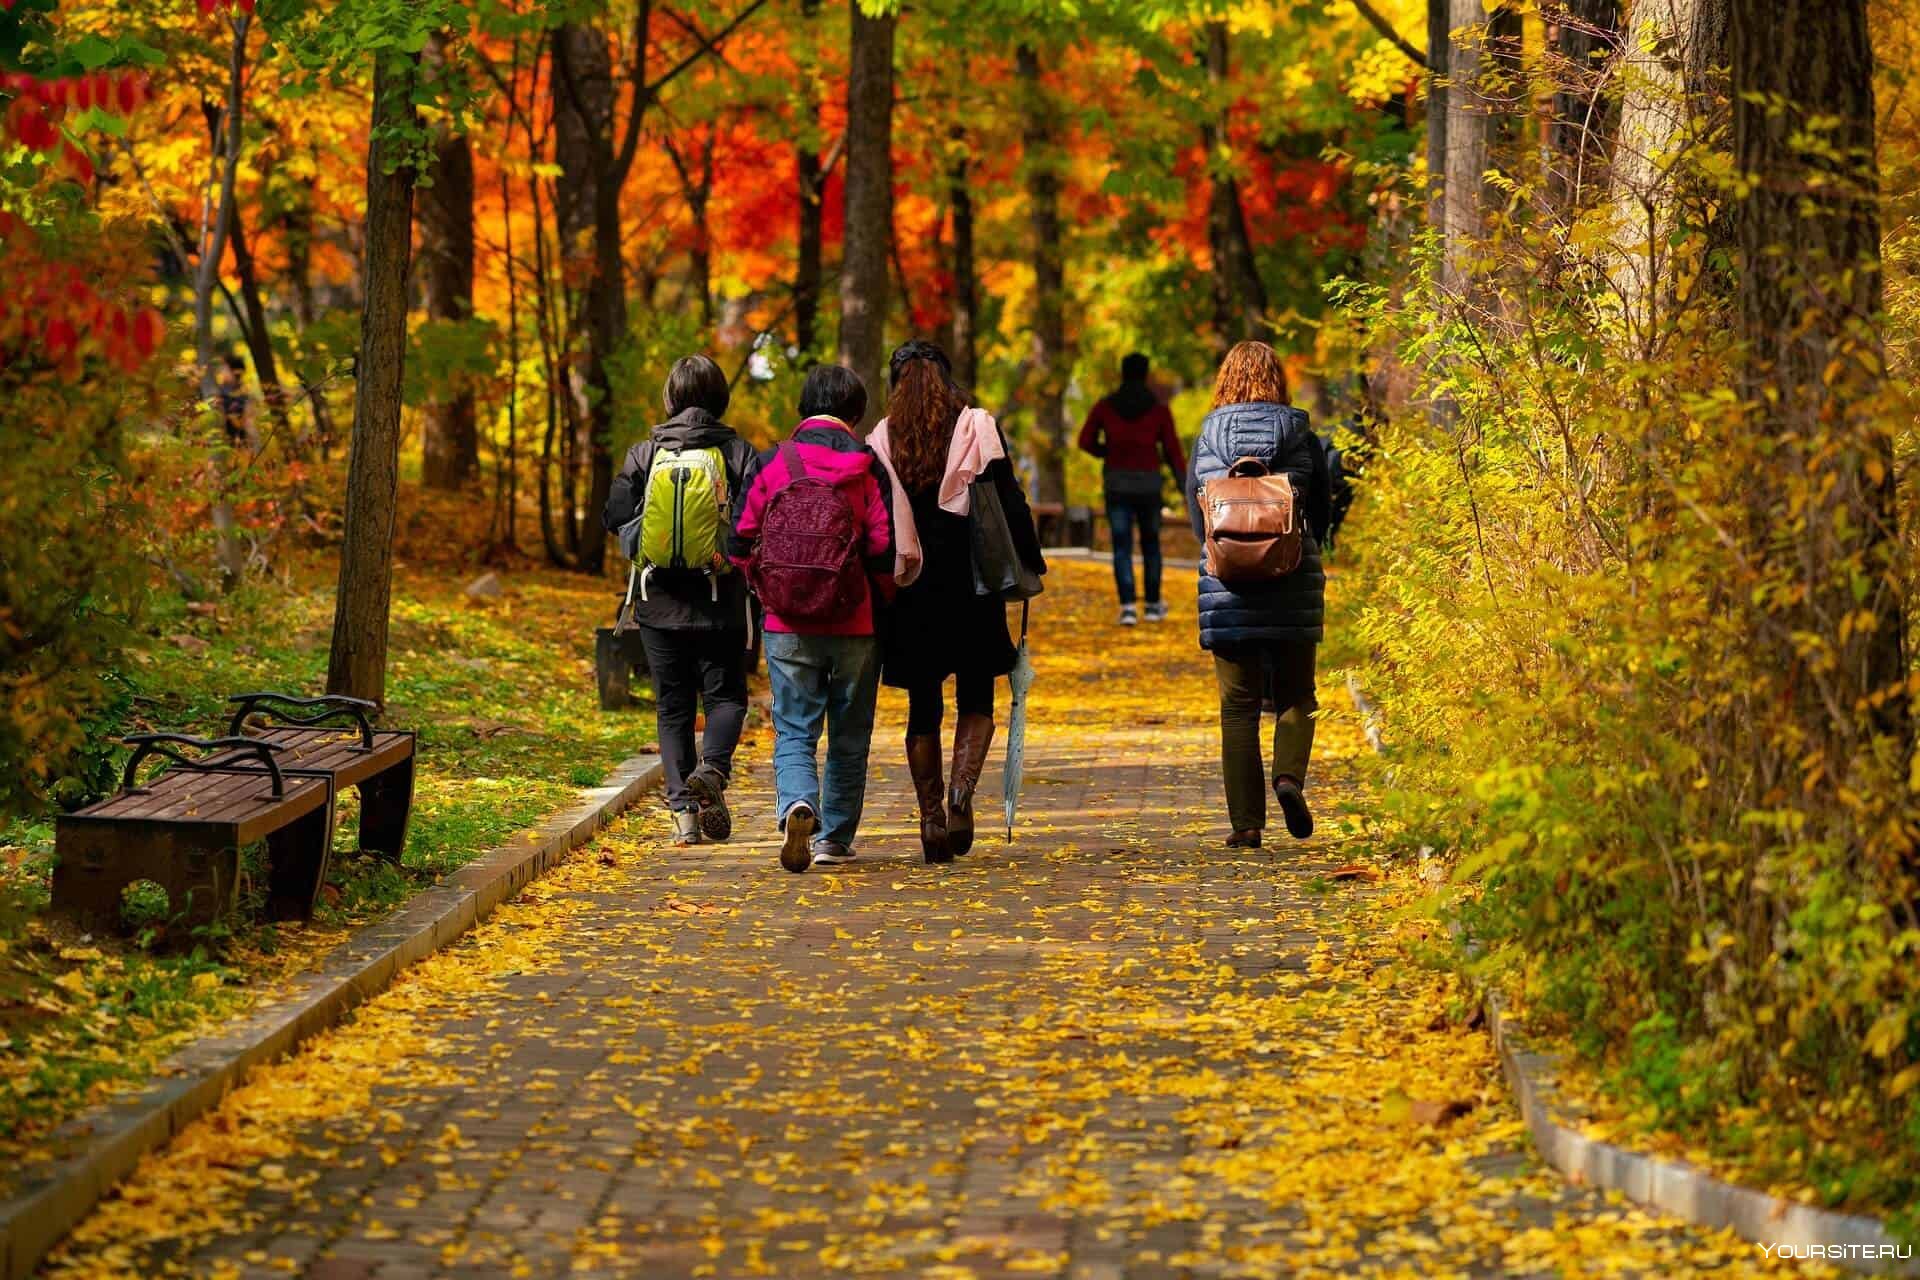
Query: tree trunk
869	204
231	555
357	662
1807	228
1583	112
259	341
1469	120
1438	60
298	231
965	287
1239	296
811	183
1040	138
451	446
1672	53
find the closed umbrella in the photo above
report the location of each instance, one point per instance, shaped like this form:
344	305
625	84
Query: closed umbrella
1021	678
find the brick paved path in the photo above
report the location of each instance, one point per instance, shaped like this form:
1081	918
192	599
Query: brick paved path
1111	1049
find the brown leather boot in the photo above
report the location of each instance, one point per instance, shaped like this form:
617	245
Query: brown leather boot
923	762
972	735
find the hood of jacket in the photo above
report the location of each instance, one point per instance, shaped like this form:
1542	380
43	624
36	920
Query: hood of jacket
1257	430
829	453
692	429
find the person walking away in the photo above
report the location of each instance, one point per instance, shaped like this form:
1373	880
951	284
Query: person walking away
672	505
816	537
1133	433
1262	626
935	447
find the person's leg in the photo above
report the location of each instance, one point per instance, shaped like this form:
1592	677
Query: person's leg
972	736
1120	520
851	696
926	708
1149	520
1292	675
1242	677
676	691
723	681
798	676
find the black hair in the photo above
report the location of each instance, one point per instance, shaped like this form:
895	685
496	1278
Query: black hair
235	362
834	391
916	349
697	383
1134	368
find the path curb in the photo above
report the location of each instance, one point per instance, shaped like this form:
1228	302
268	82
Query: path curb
1854	1242
99	1147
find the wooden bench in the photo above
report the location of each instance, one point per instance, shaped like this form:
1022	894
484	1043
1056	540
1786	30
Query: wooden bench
379	763
185	829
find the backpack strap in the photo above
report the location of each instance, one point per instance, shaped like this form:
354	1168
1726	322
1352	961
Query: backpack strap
1249	467
796	470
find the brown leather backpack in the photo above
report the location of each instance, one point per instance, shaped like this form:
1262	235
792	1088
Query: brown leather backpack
1252	521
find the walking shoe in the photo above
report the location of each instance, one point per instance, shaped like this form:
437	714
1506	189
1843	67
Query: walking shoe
829	854
1157	612
1244	840
710	789
972	735
1293	803
1129	616
686	827
796	853
923	763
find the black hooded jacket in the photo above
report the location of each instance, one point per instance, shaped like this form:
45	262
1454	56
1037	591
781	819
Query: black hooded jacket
685	601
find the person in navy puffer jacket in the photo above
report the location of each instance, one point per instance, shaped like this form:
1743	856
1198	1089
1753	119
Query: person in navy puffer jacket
1263	636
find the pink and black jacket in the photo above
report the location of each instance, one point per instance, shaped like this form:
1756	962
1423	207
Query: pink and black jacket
829	451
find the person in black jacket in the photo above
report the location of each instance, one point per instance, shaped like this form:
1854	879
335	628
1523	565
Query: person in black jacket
697	630
1263	635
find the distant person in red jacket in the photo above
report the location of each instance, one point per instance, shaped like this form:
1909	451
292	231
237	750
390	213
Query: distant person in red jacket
1133	431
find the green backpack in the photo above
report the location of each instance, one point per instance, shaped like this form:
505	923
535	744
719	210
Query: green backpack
682	525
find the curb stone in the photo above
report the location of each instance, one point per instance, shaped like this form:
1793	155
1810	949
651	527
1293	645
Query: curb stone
100	1146
1851	1241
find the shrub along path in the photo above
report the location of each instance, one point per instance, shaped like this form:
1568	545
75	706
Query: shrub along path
1111	1049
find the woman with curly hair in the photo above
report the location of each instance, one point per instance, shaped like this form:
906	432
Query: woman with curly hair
1263	634
935	446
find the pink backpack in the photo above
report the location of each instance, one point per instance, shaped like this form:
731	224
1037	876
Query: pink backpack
806	567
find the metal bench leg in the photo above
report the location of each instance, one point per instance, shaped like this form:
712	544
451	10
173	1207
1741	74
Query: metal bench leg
386	804
199	871
297	857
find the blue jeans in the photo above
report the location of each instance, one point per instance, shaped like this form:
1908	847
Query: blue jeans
1123	514
828	682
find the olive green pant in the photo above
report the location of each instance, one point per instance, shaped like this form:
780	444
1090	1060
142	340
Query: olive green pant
1248	676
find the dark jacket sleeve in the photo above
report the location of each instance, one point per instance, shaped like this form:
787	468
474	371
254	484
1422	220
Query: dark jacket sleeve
1200	469
1026	538
629	487
1170	443
1091	434
880	562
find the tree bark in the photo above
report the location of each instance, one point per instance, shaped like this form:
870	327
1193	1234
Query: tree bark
297	227
1581	129
266	369
357	661
811	181
966	287
1438	61
869	204
1469	121
1807	229
1239	296
231	555
1050	363
451	445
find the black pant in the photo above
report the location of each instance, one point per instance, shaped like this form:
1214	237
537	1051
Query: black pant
690	667
1247	676
1125	513
927	703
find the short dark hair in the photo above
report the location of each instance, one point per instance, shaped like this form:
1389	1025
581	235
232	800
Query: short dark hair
835	391
697	383
234	362
1134	368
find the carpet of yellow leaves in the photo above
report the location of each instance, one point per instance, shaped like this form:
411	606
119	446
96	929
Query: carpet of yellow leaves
1111	1048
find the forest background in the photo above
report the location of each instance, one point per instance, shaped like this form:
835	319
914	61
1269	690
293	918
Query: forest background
314	311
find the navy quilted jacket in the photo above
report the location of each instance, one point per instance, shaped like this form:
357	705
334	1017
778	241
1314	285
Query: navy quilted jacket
1289	608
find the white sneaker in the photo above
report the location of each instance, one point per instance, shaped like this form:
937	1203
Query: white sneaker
831	855
1129	616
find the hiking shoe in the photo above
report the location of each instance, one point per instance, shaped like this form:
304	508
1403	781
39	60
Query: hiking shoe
1244	840
829	854
686	827
1156	612
796	853
1293	803
1129	616
710	789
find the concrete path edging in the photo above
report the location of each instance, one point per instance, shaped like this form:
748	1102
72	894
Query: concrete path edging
1851	1241
100	1146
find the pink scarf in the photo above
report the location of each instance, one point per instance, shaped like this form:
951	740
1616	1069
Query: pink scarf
976	443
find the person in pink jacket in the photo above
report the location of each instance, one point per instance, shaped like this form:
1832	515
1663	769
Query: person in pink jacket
825	673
